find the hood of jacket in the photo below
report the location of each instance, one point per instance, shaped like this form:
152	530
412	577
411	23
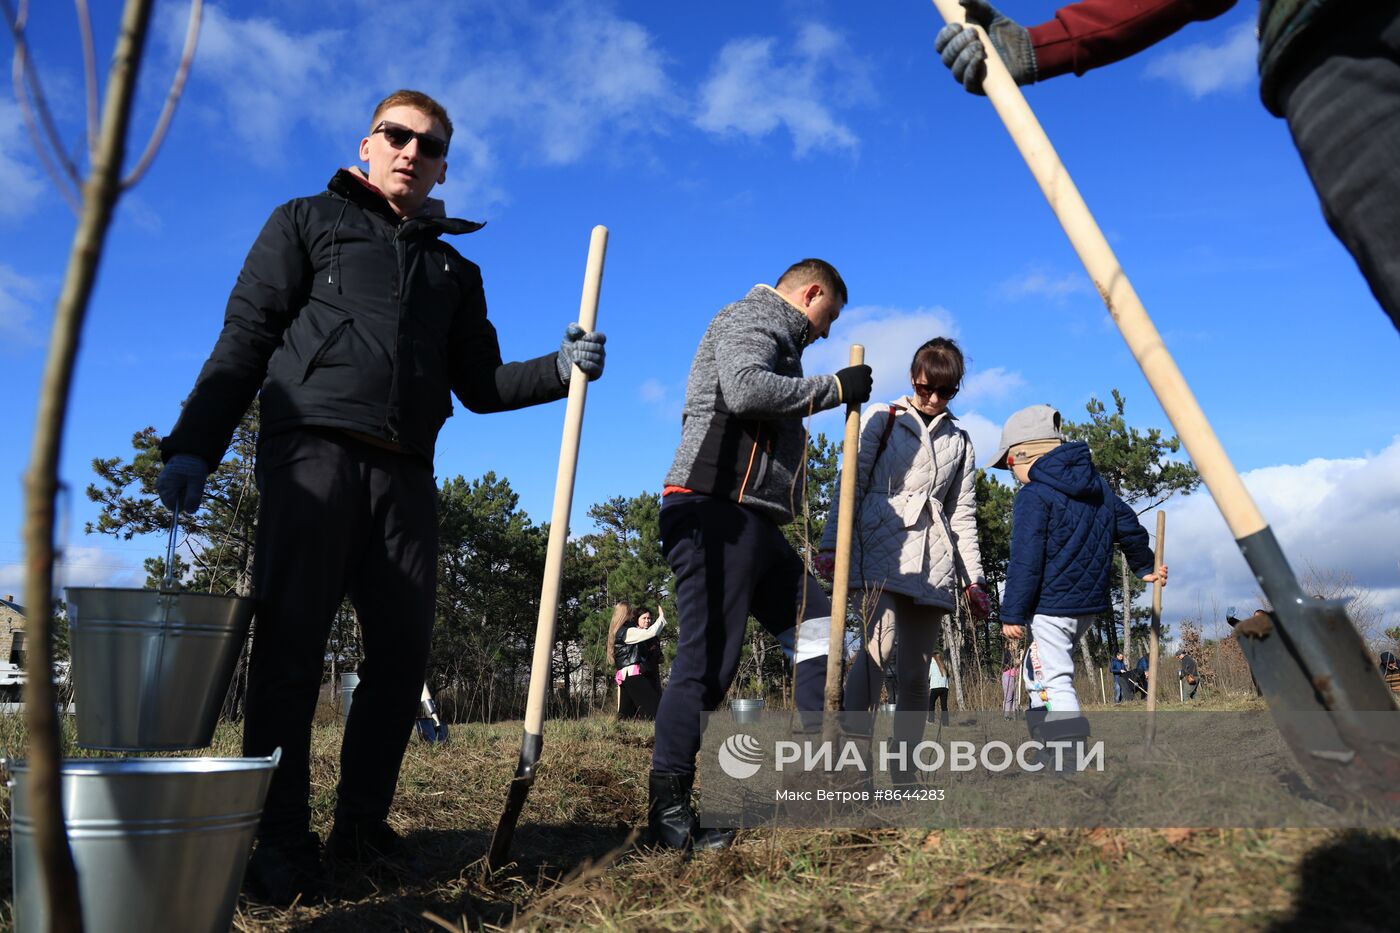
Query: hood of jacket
1070	469
352	185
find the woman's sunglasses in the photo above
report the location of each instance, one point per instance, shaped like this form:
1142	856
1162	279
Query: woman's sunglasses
429	146
943	392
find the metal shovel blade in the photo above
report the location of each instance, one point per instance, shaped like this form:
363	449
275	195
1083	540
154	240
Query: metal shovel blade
1326	697
499	854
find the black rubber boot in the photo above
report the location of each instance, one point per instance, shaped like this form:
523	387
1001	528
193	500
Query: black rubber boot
670	820
286	869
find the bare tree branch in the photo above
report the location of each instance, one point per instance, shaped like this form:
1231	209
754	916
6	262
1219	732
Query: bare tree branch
177	87
89	76
22	67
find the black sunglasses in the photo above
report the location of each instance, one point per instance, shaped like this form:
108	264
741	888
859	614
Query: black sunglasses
429	146
944	392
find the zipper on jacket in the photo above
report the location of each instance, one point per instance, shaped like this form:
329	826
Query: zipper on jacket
401	290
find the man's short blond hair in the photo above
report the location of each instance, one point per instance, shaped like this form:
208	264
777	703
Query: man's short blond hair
418	101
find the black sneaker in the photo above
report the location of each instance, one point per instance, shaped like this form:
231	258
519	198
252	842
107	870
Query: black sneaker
284	870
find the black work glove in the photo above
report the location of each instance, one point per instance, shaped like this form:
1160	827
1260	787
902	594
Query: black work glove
856	382
182	481
584	349
965	57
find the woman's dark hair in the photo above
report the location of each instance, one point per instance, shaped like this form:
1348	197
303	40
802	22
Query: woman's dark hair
938	362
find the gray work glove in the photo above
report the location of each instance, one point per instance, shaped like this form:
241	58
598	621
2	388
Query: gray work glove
182	481
584	349
964	55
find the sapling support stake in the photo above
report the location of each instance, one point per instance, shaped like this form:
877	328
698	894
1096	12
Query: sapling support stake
1154	640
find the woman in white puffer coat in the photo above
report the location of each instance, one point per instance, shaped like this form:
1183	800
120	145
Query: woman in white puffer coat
915	542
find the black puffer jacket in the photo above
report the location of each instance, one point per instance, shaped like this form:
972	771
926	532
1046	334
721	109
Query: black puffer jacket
346	316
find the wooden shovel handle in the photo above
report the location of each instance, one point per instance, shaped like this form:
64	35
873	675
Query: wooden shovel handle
845	527
1219	475
563	495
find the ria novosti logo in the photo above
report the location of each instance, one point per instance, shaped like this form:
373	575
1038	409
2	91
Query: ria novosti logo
740	756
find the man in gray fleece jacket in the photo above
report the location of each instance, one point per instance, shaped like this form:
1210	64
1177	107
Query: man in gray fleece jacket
733	483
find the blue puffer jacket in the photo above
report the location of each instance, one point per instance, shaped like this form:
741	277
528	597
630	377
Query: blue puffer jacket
1063	527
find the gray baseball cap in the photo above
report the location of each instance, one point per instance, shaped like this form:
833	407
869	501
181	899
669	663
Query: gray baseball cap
1036	423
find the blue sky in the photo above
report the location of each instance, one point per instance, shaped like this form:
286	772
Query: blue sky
719	143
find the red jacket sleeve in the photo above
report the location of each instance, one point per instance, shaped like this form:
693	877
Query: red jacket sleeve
1099	32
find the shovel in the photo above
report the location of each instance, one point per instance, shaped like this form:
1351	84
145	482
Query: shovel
1309	660
540	676
431	728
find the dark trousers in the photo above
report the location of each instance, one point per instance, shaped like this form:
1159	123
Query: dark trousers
1342	101
936	696
639	696
337	515
729	562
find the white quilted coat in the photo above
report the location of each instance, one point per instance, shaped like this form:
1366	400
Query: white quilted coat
916	511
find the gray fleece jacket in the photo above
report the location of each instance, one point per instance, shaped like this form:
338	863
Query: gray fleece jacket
741	430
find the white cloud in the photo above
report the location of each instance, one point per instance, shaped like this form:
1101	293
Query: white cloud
269	81
760	84
890	337
24	182
18	295
552	85
79	566
1206	67
1331	515
667	402
1039	283
992	385
565	79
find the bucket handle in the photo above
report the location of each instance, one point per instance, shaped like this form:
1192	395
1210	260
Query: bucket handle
275	758
168	583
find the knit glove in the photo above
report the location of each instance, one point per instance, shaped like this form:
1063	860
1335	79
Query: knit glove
582	348
856	382
964	55
181	482
978	602
825	565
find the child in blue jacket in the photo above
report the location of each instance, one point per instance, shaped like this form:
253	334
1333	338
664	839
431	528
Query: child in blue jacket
1064	524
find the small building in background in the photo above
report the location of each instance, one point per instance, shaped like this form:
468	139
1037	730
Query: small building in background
12	650
12	635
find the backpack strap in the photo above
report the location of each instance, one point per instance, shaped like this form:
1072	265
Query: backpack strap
884	440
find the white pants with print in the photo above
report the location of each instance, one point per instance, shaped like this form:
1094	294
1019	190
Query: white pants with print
1048	668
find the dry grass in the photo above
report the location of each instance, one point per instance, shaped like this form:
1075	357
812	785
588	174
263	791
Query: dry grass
573	869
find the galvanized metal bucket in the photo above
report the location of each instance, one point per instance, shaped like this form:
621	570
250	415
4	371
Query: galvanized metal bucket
746	711
151	668
348	683
159	843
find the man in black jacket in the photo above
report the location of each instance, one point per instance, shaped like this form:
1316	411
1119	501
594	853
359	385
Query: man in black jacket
354	322
1188	673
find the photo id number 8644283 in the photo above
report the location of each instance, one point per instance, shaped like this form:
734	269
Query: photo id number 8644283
917	793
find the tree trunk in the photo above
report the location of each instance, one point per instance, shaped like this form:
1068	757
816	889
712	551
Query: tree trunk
100	194
952	642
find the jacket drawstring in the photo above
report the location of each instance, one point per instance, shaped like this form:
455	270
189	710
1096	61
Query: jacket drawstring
335	248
